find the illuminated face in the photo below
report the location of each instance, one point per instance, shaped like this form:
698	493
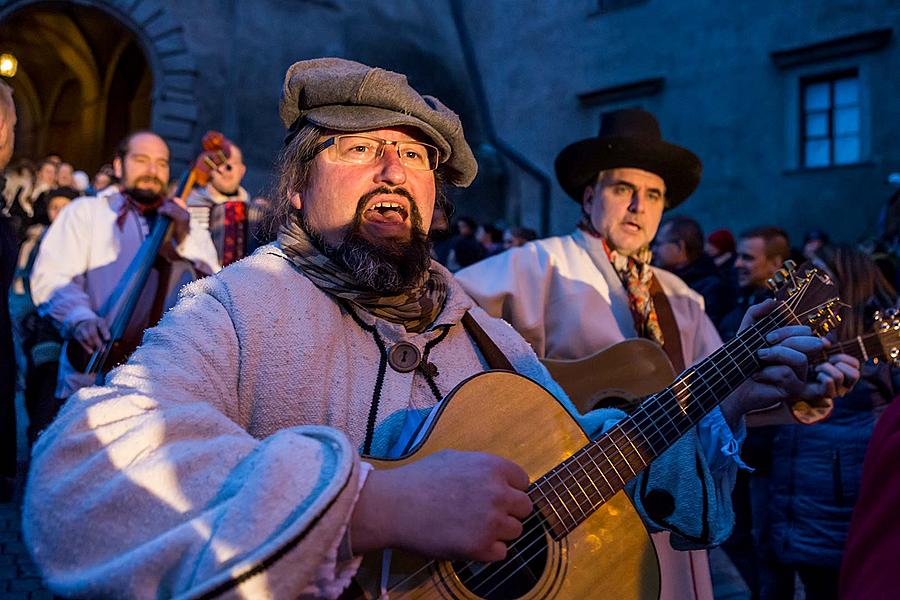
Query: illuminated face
668	251
146	165
64	175
7	127
384	199
625	207
55	205
101	181
227	178
47	174
752	266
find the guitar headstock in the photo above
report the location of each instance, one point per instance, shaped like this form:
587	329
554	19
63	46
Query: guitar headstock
887	326
809	294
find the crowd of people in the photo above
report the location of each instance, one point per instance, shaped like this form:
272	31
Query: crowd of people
244	420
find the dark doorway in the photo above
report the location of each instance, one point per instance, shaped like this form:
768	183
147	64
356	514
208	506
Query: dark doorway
83	82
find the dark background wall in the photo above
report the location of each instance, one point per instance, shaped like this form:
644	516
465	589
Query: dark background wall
719	91
527	77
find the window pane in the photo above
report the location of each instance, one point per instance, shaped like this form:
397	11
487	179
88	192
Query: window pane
815	96
817	153
846	150
817	124
846	92
846	120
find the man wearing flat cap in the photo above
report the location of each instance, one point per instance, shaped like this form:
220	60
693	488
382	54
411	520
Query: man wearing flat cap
574	295
223	458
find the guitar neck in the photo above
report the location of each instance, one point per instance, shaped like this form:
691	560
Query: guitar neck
578	486
861	347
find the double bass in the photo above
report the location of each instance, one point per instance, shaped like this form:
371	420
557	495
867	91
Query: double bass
149	285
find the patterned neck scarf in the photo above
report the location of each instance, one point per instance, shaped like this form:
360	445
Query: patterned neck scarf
144	208
636	275
415	309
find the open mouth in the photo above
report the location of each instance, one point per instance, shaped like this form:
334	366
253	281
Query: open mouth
385	211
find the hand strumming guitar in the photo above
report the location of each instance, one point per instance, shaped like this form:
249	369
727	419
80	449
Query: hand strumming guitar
456	505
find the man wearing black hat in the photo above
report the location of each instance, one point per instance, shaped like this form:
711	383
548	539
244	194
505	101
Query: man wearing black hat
574	295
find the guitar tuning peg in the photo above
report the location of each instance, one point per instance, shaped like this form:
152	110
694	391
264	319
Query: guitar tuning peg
890	313
789	266
772	284
877	316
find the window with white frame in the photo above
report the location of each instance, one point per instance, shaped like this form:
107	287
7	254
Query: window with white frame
830	120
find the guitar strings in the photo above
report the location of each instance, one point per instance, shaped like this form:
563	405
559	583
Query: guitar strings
512	550
660	408
695	410
614	465
694	407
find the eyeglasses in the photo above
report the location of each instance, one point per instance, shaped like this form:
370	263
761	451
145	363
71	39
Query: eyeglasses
364	150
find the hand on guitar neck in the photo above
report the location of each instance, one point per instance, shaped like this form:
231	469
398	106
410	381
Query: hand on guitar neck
786	376
458	505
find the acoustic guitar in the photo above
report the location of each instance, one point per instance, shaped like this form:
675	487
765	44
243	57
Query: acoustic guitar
584	539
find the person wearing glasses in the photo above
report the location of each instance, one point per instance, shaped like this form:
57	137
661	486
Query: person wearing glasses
224	457
224	208
678	248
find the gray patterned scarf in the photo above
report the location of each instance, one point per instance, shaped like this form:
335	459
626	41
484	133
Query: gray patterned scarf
415	309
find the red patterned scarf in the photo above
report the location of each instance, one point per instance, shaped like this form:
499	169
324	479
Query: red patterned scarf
635	273
138	206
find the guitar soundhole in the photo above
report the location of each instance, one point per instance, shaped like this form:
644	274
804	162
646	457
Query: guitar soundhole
514	577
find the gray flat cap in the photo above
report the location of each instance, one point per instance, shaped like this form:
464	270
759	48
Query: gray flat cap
344	95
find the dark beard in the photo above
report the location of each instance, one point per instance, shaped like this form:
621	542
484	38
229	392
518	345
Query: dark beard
388	267
147	198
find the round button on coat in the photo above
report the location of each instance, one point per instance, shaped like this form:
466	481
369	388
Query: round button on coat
404	357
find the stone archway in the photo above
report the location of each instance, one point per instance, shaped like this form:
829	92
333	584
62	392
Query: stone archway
173	111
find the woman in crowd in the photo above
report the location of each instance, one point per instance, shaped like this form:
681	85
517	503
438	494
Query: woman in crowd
816	470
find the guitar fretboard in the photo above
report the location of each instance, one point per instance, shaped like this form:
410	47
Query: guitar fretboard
573	490
862	347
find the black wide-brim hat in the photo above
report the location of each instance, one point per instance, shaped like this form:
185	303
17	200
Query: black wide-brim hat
628	138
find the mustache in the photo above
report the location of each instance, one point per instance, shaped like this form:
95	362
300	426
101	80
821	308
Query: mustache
414	214
149	179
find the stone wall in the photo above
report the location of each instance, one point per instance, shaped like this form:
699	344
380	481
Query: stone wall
721	94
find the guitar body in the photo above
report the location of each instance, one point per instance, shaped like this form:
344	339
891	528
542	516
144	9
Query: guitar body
617	377
609	555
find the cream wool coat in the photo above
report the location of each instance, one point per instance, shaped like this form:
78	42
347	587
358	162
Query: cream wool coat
222	458
564	296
